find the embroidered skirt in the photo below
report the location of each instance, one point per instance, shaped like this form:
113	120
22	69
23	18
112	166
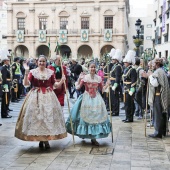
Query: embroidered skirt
40	118
92	130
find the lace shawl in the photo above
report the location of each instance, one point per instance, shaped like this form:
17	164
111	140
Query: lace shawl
36	73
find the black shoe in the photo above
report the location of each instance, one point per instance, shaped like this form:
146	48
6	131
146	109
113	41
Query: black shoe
164	133
47	145
155	136
15	101
123	108
0	124
124	120
7	116
128	121
41	145
115	114
9	110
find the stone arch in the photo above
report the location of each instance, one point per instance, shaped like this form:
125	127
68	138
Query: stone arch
106	49
63	14
20	15
85	51
21	51
42	50
109	12
65	51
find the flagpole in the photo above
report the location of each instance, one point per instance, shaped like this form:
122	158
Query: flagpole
67	98
49	55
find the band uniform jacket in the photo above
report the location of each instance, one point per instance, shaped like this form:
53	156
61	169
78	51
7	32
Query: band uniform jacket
129	78
116	74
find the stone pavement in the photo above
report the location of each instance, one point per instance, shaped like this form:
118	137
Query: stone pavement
131	150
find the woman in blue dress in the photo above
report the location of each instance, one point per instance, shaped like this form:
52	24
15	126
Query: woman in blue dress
89	114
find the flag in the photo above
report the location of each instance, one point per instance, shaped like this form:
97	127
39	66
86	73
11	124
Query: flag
49	43
57	48
49	48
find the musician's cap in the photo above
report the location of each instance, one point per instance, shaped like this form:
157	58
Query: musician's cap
130	57
112	52
118	55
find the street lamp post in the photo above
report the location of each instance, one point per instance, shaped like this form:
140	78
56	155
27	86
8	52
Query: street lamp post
138	39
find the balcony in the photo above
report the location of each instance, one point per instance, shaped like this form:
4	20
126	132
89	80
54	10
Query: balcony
70	32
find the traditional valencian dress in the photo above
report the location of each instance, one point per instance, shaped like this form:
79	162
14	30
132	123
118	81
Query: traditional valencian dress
41	117
89	114
60	91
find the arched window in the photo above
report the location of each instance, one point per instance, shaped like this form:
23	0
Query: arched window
108	19
63	19
21	21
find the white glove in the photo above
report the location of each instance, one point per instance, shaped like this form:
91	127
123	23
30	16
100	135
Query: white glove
113	88
130	93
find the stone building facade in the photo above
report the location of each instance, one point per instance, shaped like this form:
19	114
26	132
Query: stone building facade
3	25
161	31
86	28
146	16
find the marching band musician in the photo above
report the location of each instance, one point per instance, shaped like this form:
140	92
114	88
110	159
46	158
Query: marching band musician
129	82
6	79
16	75
107	70
116	74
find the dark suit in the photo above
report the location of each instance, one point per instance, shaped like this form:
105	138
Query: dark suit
129	81
116	74
6	80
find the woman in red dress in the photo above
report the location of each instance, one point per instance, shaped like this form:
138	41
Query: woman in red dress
41	117
56	67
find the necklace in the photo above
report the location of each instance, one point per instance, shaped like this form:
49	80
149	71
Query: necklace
92	76
43	75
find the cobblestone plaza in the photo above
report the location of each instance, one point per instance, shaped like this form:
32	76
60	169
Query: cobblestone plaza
131	150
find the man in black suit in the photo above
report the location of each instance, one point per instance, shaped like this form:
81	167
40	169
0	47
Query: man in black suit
6	80
116	74
77	69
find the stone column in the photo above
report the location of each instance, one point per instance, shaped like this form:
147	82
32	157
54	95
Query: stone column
96	18
10	20
96	47
54	18
32	19
121	19
31	50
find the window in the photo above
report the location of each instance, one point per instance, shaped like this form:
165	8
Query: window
148	38
21	23
159	54
149	26
108	23
142	29
42	23
63	22
155	14
166	54
167	15
160	17
168	4
167	33
161	9
85	23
